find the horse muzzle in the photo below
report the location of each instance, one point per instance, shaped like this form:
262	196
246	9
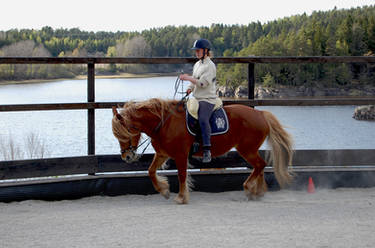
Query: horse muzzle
130	157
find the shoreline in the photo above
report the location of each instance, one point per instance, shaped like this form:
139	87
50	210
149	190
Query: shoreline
280	92
261	92
82	77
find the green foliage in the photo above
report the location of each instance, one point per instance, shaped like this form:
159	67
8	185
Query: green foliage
268	80
349	32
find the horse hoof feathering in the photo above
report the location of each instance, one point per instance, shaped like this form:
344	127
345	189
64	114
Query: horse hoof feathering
180	200
164	122
165	193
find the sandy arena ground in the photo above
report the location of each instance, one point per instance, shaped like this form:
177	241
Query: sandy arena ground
327	218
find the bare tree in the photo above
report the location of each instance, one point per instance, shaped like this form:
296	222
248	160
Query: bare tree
23	48
35	146
135	47
9	150
19	49
40	70
27	48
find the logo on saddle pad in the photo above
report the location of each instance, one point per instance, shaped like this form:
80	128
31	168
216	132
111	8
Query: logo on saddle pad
218	121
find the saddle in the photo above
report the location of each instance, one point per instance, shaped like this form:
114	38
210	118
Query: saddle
218	121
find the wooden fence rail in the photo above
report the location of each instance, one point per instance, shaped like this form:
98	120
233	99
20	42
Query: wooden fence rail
91	105
247	102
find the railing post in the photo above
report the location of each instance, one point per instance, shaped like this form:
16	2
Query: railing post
91	112
251	80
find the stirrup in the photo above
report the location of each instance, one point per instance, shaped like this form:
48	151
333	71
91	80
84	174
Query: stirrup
195	147
206	156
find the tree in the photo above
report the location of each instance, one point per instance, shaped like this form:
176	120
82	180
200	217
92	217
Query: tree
336	33
371	35
40	71
357	46
135	47
19	49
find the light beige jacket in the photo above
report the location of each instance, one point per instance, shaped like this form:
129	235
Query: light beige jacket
205	89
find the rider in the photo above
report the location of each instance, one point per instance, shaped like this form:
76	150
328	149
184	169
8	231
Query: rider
203	86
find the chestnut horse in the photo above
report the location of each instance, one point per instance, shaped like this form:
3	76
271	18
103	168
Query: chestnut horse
164	122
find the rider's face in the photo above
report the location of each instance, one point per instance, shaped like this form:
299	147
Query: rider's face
199	53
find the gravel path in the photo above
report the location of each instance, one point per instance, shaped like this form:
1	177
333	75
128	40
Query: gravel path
327	218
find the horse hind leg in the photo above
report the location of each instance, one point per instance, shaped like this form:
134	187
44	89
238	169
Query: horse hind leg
160	183
255	188
255	185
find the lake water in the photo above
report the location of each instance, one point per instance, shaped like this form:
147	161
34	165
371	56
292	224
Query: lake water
64	133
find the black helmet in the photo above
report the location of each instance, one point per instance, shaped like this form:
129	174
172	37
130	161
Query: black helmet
201	44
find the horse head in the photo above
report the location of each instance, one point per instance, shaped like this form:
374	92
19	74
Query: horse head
128	140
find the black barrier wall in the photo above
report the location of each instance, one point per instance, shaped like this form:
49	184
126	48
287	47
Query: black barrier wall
111	176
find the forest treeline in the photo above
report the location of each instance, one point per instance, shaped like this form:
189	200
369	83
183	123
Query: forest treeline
338	32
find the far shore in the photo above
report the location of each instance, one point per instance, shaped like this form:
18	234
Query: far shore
83	77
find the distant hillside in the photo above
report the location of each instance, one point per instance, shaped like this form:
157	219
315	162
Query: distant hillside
330	33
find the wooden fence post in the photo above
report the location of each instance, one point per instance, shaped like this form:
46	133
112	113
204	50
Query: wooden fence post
91	112
251	80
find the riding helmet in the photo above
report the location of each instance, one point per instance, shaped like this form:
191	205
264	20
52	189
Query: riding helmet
201	44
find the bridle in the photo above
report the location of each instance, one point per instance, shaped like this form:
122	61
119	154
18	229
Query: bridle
132	149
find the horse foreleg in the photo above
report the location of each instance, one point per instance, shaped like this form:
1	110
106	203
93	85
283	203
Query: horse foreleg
160	183
183	193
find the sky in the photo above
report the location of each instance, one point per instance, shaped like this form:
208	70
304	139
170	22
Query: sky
138	15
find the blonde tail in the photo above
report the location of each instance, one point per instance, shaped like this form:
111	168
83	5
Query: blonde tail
281	144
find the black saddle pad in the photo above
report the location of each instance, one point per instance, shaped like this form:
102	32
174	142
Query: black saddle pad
218	121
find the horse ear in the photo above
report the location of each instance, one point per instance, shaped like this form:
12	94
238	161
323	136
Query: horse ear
114	111
119	117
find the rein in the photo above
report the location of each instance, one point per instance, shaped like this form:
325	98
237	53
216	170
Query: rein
132	149
181	102
177	84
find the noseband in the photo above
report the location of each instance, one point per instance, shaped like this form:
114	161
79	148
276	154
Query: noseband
130	149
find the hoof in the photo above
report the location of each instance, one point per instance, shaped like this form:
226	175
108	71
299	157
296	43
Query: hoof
180	200
164	189
165	194
251	197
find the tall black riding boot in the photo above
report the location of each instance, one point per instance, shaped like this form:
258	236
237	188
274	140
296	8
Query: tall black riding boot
206	154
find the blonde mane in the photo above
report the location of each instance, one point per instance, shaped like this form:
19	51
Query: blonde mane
158	107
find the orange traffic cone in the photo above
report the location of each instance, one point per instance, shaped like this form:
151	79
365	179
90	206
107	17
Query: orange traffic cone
311	186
